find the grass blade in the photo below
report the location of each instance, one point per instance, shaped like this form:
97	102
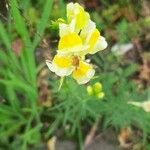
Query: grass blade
43	22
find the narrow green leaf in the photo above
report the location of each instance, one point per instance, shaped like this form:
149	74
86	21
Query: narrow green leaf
19	22
43	22
62	6
4	36
3	57
23	32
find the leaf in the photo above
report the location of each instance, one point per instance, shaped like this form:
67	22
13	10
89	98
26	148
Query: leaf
23	32
4	36
62	9
19	22
43	22
3	57
130	70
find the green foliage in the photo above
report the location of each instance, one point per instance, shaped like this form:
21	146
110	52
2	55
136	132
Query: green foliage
20	123
43	22
122	30
74	108
119	90
71	101
24	124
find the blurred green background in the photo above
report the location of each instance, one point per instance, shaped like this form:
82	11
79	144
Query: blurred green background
33	113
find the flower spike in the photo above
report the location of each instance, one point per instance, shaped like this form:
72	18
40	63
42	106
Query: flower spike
78	37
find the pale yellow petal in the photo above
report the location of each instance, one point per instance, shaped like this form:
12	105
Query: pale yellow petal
50	66
83	73
80	50
81	20
70	11
62	66
92	39
69	41
62	61
87	29
100	45
75	11
65	29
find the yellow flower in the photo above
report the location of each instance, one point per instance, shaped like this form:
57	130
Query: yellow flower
95	41
92	41
89	41
91	37
96	90
81	22
78	37
71	44
77	13
81	71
